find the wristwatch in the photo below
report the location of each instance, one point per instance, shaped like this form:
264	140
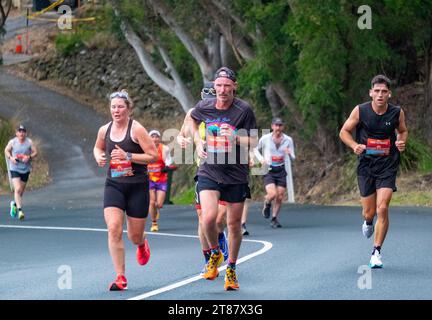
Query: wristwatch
128	156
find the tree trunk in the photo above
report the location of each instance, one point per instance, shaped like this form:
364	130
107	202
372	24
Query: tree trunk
175	86
428	94
273	100
193	48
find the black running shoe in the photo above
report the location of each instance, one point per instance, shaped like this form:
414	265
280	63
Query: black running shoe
266	210
244	230
274	223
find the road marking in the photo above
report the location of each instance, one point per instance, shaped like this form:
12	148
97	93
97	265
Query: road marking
266	247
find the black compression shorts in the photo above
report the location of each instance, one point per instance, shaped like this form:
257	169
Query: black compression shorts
130	197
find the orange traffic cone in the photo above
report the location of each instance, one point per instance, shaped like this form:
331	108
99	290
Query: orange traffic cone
19	48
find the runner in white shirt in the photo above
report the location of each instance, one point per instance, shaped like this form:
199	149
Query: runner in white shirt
274	146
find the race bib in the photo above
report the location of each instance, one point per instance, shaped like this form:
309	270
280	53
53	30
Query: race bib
121	168
154	167
378	147
218	144
277	160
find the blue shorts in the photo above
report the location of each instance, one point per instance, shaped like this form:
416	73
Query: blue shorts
161	186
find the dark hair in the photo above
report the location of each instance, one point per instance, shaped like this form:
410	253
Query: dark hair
381	79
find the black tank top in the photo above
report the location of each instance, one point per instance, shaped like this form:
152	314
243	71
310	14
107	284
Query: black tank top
374	129
128	145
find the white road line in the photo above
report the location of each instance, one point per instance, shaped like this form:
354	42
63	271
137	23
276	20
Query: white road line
266	247
91	229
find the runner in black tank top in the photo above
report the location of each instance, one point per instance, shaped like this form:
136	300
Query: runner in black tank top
127	148
381	135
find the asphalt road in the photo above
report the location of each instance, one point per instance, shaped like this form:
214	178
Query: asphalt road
60	250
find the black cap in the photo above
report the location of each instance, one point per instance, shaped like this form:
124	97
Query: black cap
21	128
277	121
225	72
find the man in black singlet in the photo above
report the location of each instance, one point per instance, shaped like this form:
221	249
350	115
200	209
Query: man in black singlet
381	135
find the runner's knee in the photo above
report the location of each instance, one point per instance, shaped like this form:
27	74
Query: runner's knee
368	214
382	207
135	238
115	234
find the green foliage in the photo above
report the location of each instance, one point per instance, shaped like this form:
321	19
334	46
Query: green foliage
186	197
102	30
69	44
417	156
6	132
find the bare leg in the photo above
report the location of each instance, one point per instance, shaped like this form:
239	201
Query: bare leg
235	236
280	194
384	196
209	207
135	230
369	205
114	218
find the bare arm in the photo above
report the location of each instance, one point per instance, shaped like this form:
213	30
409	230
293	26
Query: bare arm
183	137
33	152
8	152
167	156
346	132
199	143
99	147
145	142
402	132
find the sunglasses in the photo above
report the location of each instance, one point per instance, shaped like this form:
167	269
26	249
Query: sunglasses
211	91
119	94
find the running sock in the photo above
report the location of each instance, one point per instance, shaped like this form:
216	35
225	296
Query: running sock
215	250
221	236
231	265
207	254
19	209
378	248
369	223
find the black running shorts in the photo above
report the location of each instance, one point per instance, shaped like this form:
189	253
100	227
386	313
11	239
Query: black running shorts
130	197
369	184
232	193
23	176
277	176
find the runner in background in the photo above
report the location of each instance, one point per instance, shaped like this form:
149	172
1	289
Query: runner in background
245	213
158	177
275	146
19	152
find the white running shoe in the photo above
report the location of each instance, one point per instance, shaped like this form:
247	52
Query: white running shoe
368	230
375	261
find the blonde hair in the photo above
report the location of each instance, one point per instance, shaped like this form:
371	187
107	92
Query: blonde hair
123	94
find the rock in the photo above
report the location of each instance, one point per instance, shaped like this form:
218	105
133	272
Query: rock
41	75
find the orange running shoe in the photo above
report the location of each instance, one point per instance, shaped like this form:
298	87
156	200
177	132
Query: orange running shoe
154	227
231	282
119	284
143	253
214	262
